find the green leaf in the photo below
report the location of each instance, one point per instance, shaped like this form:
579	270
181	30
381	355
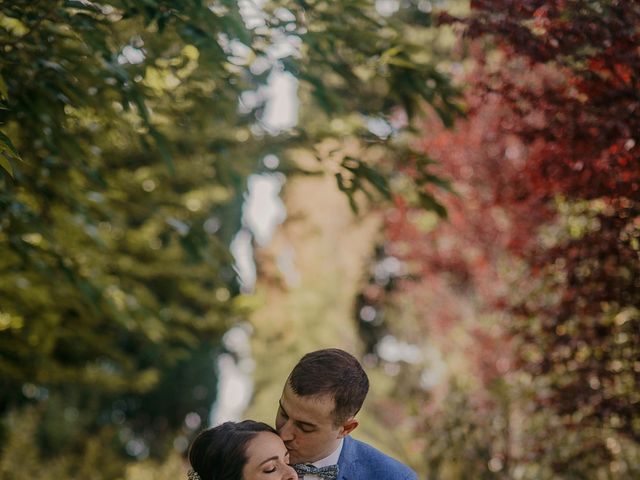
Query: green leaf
4	92
163	148
348	190
443	183
6	164
376	179
7	145
7	153
429	203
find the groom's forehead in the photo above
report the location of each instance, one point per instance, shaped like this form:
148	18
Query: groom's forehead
316	406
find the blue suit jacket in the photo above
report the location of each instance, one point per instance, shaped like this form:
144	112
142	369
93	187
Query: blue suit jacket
359	461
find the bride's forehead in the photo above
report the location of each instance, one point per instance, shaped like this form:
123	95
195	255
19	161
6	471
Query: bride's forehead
264	441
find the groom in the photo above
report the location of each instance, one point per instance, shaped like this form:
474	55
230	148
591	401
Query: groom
321	397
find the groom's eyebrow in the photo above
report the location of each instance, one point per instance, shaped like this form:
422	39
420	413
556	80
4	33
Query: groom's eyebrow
300	422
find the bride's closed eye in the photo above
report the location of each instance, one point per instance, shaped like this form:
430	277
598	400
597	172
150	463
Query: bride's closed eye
274	468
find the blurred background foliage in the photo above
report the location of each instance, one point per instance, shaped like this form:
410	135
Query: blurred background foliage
483	257
527	297
129	130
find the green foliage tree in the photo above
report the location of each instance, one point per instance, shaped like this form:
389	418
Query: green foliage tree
114	265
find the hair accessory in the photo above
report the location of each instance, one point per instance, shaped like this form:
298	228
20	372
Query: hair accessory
193	475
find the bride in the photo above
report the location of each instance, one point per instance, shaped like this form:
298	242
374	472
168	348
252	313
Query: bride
245	450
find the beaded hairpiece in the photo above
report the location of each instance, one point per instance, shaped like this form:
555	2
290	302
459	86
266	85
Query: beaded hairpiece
193	475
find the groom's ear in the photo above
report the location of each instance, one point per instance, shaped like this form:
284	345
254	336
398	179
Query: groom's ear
348	426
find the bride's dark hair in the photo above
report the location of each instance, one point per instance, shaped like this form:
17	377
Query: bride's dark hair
219	453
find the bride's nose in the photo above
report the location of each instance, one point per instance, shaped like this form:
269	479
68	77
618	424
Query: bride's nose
290	474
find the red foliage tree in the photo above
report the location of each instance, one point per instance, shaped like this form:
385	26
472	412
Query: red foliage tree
582	130
547	168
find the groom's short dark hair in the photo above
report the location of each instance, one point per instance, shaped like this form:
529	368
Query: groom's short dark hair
332	372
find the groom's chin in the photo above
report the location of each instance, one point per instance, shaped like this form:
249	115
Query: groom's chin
293	457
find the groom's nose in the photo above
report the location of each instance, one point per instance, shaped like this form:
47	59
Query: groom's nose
286	431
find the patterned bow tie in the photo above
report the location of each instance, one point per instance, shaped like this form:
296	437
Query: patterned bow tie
328	473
